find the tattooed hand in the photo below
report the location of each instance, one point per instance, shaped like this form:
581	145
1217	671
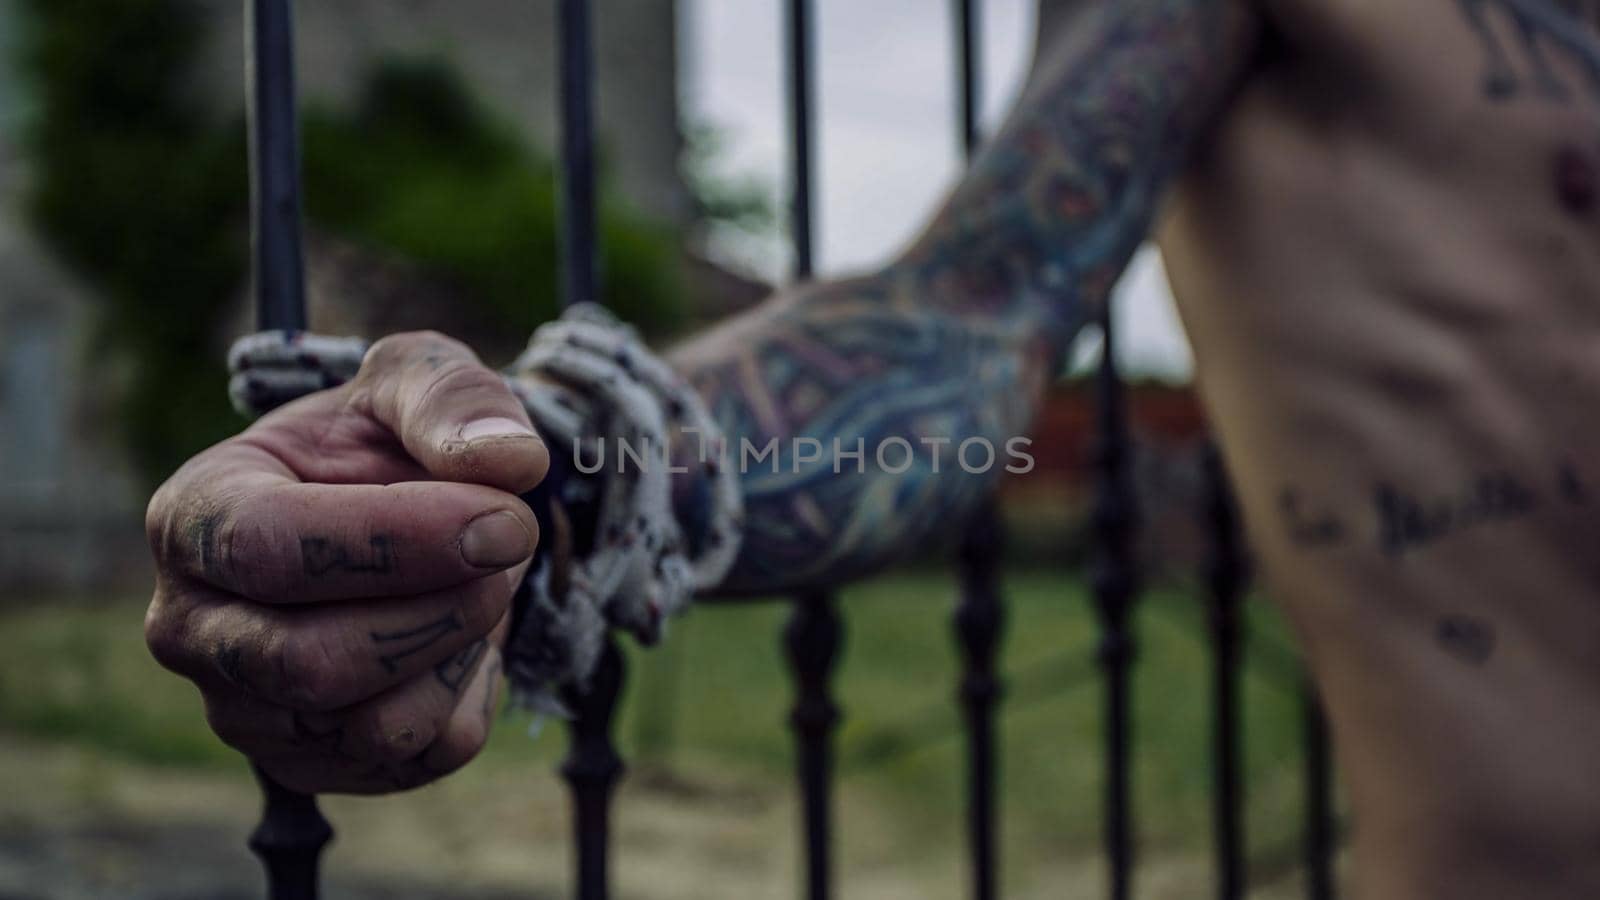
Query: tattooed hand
337	579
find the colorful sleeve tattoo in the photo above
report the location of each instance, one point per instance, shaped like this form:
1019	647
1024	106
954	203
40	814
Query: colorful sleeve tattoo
868	416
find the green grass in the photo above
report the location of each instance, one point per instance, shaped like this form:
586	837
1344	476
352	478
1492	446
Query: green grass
716	694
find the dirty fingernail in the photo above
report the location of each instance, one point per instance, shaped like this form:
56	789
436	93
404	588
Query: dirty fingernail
492	428
496	541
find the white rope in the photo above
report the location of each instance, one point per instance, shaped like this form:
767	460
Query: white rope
609	392
591	387
271	368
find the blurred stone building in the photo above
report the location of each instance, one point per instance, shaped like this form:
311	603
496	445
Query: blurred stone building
64	498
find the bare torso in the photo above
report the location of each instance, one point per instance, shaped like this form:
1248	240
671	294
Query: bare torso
1391	275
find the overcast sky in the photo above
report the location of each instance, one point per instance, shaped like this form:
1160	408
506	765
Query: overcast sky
886	139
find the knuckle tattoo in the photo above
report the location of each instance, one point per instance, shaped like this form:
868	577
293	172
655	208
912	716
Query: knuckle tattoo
396	646
321	556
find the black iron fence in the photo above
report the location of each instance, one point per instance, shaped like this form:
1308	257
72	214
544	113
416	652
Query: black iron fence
293	833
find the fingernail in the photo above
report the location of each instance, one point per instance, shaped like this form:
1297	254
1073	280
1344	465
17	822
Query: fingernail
491	428
495	541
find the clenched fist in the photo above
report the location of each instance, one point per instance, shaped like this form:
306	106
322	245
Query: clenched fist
337	579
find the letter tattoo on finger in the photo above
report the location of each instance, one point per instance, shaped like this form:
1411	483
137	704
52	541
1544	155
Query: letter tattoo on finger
411	641
323	555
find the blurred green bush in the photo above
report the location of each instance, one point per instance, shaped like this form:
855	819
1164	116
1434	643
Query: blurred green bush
144	198
421	170
147	198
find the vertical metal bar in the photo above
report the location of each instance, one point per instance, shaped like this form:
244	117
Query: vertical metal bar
979	618
812	640
1319	800
970	73
979	621
592	767
1116	584
800	119
279	265
289	839
580	269
814	633
292	833
1227	578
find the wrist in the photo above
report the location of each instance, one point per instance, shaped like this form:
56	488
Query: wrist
640	509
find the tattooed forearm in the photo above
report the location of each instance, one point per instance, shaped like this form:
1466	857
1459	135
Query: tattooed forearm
400	644
323	555
1056	205
956	339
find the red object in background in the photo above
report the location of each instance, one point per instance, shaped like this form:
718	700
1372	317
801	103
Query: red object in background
1063	435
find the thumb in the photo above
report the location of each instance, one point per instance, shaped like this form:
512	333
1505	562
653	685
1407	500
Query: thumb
454	416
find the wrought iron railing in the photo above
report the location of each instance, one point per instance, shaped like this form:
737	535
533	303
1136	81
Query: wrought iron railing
293	833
